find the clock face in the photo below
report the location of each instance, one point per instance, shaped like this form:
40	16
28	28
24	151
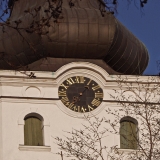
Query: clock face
80	94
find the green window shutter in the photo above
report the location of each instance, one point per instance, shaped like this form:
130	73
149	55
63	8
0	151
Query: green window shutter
33	132
128	135
123	129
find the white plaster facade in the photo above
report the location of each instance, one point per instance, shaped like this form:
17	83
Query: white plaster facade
21	95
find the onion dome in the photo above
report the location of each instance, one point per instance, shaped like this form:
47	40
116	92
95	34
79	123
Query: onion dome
79	30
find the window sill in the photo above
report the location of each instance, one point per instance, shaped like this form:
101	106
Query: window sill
127	150
35	148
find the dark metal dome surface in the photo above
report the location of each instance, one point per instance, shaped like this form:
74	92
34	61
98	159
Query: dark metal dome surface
81	32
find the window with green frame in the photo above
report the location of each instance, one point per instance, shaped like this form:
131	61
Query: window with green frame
128	133
33	131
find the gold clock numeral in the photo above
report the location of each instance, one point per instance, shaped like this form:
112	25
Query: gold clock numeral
62	93
70	81
62	85
98	95
65	100
90	108
74	108
79	109
96	87
67	103
81	79
96	102
71	105
89	82
77	79
83	110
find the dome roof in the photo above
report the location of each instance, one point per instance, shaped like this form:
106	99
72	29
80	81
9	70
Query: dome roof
82	31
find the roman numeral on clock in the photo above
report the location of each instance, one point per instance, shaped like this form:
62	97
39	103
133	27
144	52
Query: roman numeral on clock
77	79
71	105
62	85
98	95
90	108
83	110
70	81
96	102
62	93
81	79
65	100
89	82
96	87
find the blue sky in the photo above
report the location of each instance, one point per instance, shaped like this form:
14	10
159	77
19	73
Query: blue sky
145	25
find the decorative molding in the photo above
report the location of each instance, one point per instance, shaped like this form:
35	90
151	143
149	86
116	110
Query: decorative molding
82	72
31	100
32	91
46	75
81	65
33	110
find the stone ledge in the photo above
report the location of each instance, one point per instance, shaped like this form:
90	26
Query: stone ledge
127	150
35	148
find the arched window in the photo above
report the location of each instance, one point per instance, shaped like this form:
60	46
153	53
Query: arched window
128	133
33	130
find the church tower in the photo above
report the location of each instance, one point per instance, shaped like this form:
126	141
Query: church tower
52	76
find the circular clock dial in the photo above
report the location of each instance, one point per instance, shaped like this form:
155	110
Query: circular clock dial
80	94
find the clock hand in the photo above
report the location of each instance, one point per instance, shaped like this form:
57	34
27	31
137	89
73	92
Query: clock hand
76	99
81	93
86	87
